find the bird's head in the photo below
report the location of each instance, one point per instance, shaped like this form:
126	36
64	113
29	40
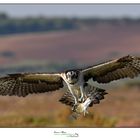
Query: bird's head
72	76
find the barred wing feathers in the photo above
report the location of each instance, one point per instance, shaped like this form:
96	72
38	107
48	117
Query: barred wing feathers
28	83
127	66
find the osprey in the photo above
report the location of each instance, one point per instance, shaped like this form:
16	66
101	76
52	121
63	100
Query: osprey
81	94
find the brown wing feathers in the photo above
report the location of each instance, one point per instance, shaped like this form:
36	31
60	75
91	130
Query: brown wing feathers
127	66
23	84
67	99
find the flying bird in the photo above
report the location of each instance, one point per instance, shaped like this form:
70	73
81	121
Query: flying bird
80	94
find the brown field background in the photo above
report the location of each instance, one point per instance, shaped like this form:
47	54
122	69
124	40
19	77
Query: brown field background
119	109
85	46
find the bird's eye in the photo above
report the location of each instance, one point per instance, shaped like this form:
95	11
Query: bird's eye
72	73
69	74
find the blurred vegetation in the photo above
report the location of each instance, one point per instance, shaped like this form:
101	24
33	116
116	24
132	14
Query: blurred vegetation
10	25
60	119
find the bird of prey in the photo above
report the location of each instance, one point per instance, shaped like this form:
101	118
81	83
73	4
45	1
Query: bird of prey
80	94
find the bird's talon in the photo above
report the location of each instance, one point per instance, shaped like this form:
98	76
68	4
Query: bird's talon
86	112
74	107
81	99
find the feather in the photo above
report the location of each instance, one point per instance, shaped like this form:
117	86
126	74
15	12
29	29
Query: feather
127	66
24	84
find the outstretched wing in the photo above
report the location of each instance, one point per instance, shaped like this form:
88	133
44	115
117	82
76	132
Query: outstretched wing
26	83
127	66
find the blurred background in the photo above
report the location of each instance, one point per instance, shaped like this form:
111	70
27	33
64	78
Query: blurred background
50	38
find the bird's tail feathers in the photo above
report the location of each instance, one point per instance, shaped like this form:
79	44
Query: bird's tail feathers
96	94
67	99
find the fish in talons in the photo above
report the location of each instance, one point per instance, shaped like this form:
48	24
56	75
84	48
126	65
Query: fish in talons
93	96
82	107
